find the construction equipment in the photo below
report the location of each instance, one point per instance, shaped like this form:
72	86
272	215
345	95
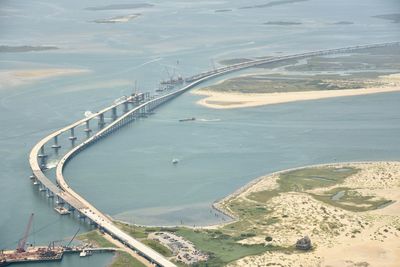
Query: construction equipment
73	237
22	241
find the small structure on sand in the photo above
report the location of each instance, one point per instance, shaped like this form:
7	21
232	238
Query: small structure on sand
304	243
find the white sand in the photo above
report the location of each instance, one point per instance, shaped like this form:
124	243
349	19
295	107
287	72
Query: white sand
341	238
228	100
14	78
218	100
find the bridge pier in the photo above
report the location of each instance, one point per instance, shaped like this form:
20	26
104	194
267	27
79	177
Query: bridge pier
36	182
42	188
81	216
70	208
114	113
87	129
101	120
42	156
56	146
126	107
72	137
60	201
49	194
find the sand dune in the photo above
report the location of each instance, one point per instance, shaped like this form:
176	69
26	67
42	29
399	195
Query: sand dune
370	238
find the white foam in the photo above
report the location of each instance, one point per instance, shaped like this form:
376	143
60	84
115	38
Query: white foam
51	164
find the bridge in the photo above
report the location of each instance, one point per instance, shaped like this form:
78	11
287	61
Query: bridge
131	107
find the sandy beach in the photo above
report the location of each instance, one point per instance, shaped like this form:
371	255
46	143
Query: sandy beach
228	100
14	78
218	100
340	237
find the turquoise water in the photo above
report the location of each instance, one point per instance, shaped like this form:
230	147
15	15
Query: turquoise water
130	174
223	150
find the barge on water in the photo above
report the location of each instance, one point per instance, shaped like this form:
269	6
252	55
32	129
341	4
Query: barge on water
34	254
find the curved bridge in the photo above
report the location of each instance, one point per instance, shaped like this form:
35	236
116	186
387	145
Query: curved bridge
133	107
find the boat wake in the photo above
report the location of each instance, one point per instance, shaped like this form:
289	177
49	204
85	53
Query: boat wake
209	120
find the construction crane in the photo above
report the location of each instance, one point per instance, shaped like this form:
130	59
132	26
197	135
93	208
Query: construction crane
22	241
73	237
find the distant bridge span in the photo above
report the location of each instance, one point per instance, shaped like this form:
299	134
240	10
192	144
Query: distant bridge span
133	106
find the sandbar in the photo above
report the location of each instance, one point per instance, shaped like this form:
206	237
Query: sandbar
229	100
12	78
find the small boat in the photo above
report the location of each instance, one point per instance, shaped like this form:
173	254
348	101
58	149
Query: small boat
175	161
188	119
85	253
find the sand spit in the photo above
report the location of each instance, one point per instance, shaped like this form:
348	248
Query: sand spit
340	237
218	100
227	100
13	78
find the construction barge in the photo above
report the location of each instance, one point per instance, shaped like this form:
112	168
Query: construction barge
25	253
32	254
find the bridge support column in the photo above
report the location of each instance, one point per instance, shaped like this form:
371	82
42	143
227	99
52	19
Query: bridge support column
56	146
101	120
42	157
49	194
114	113
81	216
72	137
60	201
126	107
42	188
70	208
87	129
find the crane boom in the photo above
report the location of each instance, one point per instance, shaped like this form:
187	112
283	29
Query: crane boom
22	241
73	237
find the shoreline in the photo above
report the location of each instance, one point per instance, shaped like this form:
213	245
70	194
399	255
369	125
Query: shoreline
333	229
228	100
217	204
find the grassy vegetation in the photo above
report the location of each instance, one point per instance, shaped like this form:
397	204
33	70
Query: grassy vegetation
222	244
96	238
158	247
138	232
310	178
123	259
362	69
273	83
304	179
351	200
222	248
